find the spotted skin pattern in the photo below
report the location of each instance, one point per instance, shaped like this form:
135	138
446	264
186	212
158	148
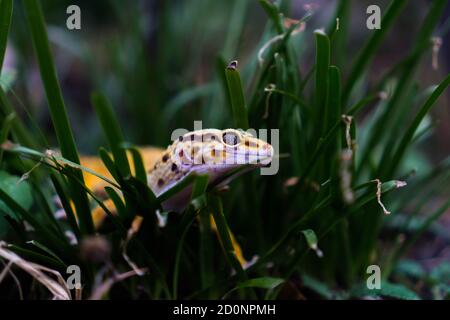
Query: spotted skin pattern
210	151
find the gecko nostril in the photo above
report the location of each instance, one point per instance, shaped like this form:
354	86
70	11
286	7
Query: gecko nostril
160	182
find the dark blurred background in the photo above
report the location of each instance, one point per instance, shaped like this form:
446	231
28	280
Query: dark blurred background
156	61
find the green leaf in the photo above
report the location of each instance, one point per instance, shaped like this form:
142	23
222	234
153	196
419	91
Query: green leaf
409	134
34	256
236	95
200	185
19	191
321	72
372	44
57	109
139	167
61	190
311	239
387	290
441	273
409	268
7	79
178	257
317	286
118	203
261	283
46	250
273	13
49	237
56	159
112	131
224	236
20	133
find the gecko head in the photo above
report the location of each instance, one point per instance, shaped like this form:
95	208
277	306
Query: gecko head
221	154
213	150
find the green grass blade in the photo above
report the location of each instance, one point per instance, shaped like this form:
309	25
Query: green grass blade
409	134
273	13
112	131
139	167
224	235
338	37
118	203
262	283
65	202
424	227
321	77
369	49
178	258
50	238
236	95
32	255
109	164
46	250
57	108
200	185
21	134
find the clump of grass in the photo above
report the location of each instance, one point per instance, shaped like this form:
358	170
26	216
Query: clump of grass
315	225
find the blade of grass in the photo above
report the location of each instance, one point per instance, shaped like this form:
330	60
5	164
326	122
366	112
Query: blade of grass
112	131
322	64
65	202
39	258
273	13
410	64
236	95
337	31
224	235
18	128
372	44
118	203
57	108
268	283
409	134
424	227
49	236
139	168
46	250
206	253
33	154
177	263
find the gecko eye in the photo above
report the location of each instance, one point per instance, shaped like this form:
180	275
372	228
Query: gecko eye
230	138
